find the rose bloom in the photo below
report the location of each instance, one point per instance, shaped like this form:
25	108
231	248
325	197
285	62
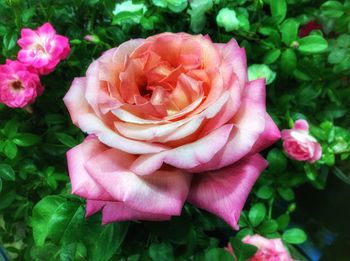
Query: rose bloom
268	249
42	49
171	118
19	86
299	144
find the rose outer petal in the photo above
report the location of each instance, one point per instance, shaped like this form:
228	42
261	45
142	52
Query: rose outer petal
224	192
163	192
82	184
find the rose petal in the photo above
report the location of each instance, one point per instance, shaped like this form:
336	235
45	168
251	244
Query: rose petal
162	192
224	192
82	184
270	135
75	101
91	124
249	124
301	125
186	156
234	59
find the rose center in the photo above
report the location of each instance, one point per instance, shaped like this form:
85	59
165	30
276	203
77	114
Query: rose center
39	49
17	86
145	90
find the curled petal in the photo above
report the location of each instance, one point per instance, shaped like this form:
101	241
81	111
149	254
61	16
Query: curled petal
186	156
75	101
91	124
223	192
249	124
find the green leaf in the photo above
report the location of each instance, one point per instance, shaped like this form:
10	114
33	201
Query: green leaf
10	39
44	214
67	252
294	236
286	193
197	12
277	161
73	229
289	31
268	227
0	185
343	40
58	219
27	14
11	128
7	199
283	221
7	173
272	56
329	157
265	192
311	171
161	251
10	149
312	44
177	6
160	3
66	139
257	214
109	241
288	61
336	55
215	254
278	9
332	9
25	139
242	251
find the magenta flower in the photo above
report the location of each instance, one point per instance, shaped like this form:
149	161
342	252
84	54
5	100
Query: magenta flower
42	49
268	249
19	86
171	118
299	144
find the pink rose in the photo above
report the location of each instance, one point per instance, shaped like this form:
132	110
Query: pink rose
159	111
19	86
42	48
299	144
268	249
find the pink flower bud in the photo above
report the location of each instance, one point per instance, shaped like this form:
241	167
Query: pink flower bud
268	249
92	38
299	144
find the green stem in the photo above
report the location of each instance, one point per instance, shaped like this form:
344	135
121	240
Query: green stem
43	10
270	208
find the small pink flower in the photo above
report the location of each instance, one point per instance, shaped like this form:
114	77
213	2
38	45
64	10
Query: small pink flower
92	38
42	48
19	86
299	144
268	249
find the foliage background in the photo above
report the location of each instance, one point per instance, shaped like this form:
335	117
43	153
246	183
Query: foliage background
302	203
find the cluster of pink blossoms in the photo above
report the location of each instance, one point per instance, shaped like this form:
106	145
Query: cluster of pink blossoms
41	51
